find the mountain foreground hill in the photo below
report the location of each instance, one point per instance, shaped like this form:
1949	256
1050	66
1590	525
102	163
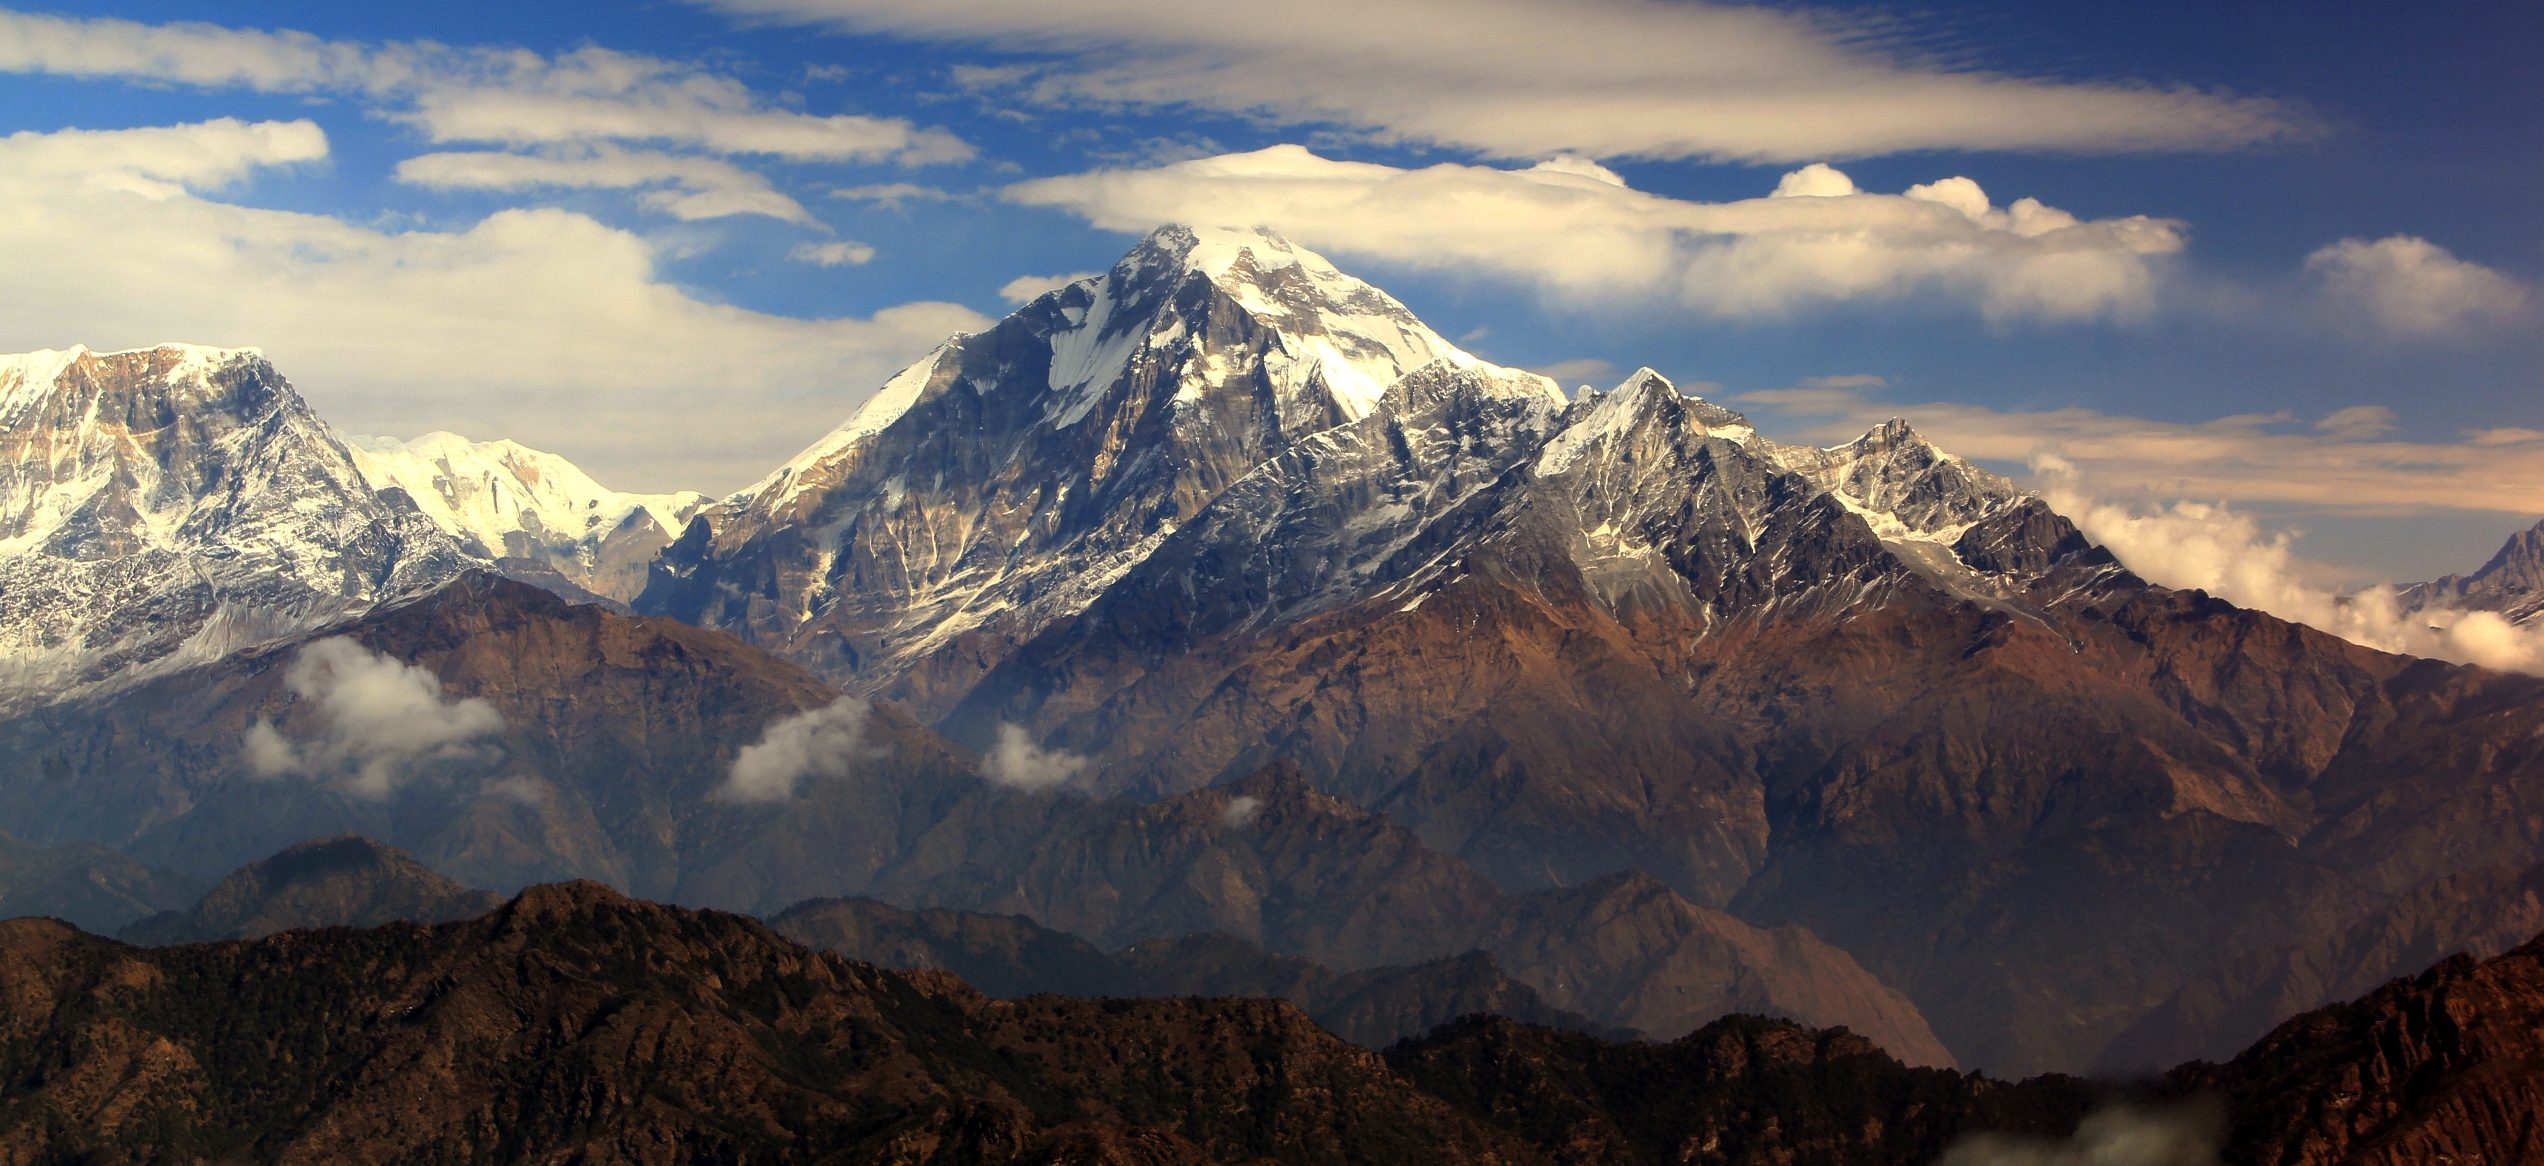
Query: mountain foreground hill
573	1020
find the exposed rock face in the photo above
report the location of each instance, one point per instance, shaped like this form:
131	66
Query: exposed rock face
1010	956
349	881
1008	477
577	1023
2512	583
2447	1066
165	507
530	512
87	884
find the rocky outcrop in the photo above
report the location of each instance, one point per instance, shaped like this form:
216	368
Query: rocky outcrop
349	881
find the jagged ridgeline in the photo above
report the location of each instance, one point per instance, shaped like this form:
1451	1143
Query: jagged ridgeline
1219	594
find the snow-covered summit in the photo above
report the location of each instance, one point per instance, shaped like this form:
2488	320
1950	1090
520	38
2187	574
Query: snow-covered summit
507	501
167	505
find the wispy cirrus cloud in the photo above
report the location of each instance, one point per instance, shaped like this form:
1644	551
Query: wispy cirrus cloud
1524	78
509	97
1574	227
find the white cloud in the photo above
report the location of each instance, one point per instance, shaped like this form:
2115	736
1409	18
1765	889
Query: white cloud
528	323
1017	763
1241	811
1026	288
508	96
374	722
2412	287
1524	78
827	742
2119	1136
700	188
2342	463
2225	552
1815	240
893	195
844	253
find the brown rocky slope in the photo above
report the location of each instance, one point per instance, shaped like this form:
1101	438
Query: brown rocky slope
576	1024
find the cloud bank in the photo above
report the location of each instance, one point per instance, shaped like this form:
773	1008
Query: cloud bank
2226	553
375	723
1524	78
2343	462
827	742
1575	228
525	323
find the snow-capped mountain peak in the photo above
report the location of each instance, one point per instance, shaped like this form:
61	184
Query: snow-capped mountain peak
163	506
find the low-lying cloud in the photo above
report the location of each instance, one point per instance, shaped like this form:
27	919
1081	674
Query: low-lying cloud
1017	763
2226	553
2181	1135
827	742
375	722
1575	228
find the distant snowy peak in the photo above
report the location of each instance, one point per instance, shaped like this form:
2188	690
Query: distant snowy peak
507	502
502	492
2511	583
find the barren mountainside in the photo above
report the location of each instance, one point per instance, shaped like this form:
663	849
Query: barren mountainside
575	1021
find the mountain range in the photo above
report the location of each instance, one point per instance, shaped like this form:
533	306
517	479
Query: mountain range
1218	595
574	1023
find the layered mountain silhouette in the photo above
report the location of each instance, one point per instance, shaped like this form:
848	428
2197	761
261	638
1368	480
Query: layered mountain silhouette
1217	594
575	1021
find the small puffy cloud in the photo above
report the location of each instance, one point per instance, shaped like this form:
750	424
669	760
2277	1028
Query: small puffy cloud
374	722
844	253
2412	287
525	323
1017	763
698	188
2226	552
1816	239
1817	180
1528	79
1027	288
827	742
1241	811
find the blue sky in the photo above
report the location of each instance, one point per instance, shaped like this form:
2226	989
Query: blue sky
2286	258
